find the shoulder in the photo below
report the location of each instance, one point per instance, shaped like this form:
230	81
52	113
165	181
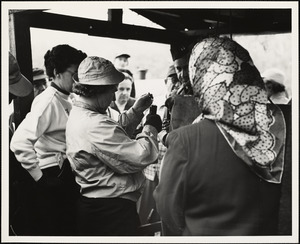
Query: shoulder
43	101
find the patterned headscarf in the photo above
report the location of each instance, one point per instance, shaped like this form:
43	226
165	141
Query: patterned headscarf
230	91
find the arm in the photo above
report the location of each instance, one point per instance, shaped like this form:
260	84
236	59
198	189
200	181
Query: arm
170	192
119	152
130	120
24	138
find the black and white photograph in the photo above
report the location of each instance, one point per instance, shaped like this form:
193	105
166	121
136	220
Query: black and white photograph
149	122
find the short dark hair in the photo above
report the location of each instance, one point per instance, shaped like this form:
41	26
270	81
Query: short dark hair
61	57
90	90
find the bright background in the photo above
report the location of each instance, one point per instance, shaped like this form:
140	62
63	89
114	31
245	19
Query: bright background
266	50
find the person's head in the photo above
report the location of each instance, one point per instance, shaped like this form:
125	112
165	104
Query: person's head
124	89
39	81
19	85
61	64
172	83
96	82
225	82
274	81
180	51
121	61
230	91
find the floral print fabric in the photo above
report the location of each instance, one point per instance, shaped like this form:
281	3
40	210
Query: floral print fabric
229	90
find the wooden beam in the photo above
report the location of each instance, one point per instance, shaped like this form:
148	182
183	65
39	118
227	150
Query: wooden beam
21	48
98	28
115	15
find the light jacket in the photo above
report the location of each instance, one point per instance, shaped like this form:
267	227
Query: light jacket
39	141
107	163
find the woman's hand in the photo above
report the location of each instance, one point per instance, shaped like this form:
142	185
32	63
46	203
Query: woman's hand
143	102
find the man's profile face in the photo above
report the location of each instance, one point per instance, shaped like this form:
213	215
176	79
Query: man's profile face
181	68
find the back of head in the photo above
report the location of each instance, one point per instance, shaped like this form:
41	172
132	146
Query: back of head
60	58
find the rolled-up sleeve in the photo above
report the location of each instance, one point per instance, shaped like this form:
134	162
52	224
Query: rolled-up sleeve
170	192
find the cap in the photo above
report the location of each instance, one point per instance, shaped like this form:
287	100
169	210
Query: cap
97	71
19	85
181	47
273	74
38	74
171	71
125	55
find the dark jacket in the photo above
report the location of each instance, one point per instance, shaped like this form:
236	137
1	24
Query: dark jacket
205	189
128	105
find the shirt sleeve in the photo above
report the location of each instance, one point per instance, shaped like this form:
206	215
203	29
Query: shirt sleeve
170	192
29	131
119	152
129	120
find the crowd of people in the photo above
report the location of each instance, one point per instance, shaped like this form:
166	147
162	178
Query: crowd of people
89	159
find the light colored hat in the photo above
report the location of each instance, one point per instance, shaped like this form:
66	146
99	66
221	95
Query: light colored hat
97	71
38	74
19	85
274	74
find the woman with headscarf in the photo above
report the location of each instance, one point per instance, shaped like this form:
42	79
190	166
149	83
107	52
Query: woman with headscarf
222	174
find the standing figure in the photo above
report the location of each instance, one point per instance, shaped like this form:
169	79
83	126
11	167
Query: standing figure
222	174
39	144
108	164
121	63
19	86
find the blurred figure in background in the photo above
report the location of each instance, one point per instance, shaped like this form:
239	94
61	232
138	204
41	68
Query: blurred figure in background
121	63
19	86
39	81
222	174
274	80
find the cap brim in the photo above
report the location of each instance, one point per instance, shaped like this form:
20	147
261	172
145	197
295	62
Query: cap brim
112	79
22	88
123	55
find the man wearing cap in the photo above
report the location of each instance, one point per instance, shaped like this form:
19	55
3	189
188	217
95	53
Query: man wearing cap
39	145
121	63
180	51
19	86
39	81
108	164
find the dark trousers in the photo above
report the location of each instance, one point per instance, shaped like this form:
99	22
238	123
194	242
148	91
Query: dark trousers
47	211
107	217
146	204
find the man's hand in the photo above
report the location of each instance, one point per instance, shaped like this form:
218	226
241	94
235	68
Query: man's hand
143	102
